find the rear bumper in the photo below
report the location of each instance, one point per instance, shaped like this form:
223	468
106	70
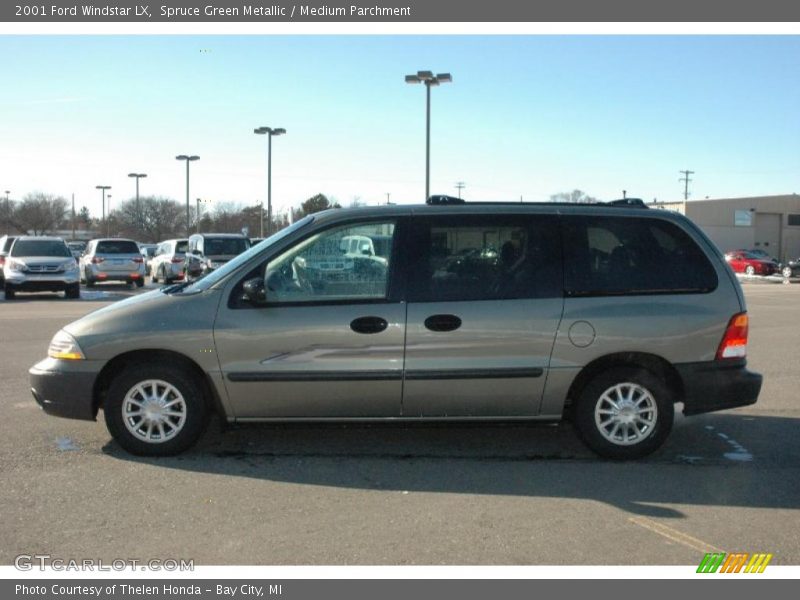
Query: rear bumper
712	386
65	388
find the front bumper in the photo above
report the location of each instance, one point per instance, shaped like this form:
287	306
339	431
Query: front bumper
64	388
715	385
25	282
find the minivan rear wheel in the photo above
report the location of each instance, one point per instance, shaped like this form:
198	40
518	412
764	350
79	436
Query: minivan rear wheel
624	413
155	410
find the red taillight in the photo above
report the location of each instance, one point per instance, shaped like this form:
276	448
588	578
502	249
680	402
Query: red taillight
138	260
2	260
734	342
96	260
175	260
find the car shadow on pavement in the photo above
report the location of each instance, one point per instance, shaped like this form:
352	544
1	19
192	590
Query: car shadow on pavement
723	459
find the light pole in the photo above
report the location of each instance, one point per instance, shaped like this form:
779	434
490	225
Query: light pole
197	216
269	131
104	188
138	176
430	80
108	220
188	159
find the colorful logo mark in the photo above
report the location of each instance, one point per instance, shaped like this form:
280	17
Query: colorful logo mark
736	562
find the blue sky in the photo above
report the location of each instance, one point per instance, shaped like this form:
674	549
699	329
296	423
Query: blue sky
526	115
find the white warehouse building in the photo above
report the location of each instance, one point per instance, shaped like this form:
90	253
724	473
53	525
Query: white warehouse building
771	223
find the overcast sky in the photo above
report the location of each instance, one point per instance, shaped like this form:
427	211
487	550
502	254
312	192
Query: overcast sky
526	116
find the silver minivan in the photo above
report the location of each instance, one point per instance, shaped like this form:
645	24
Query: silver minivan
606	314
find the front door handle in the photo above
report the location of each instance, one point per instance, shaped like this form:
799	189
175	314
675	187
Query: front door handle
443	322
369	324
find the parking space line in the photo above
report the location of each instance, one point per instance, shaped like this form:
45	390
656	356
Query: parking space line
674	535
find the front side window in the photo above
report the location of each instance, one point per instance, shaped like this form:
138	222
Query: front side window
621	256
486	258
327	267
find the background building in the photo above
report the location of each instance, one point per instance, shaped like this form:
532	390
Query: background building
768	222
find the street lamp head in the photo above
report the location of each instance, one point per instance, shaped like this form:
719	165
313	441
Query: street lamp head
181	157
269	130
413	79
425	75
103	187
194	157
444	78
137	175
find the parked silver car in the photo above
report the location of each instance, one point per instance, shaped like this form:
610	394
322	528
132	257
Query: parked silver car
40	264
167	264
605	314
112	259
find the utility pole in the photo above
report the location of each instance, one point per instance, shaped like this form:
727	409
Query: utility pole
73	215
460	185
388	195
685	179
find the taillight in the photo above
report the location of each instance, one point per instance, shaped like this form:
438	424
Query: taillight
97	260
734	342
2	260
138	260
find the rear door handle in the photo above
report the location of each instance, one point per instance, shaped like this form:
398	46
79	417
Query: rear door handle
369	324
443	322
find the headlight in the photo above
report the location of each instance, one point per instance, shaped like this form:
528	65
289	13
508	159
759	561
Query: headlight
69	267
16	265
64	346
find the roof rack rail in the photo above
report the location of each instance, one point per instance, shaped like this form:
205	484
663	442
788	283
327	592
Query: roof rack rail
443	200
628	202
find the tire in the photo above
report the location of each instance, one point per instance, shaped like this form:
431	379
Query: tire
139	283
786	272
89	280
73	291
181	429
9	292
631	439
750	270
156	275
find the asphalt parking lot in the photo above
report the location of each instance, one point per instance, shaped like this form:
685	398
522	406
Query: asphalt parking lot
394	495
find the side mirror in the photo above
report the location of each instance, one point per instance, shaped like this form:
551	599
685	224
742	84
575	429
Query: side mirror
255	291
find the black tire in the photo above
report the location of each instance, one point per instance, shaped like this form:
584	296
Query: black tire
167	280
89	280
652	436
73	291
9	292
196	409
140	283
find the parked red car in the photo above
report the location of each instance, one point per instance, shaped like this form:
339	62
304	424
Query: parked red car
743	261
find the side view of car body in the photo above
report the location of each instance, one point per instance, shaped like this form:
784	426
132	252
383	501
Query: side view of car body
112	259
744	261
167	263
5	245
40	264
605	315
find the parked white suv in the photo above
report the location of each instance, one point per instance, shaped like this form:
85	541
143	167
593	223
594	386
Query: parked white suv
40	264
167	264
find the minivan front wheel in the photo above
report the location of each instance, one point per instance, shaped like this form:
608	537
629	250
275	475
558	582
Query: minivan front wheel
624	413
155	410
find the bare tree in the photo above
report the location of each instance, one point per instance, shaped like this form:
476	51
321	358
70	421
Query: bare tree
576	196
154	219
38	213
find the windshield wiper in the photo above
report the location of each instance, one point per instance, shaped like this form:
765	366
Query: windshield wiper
171	289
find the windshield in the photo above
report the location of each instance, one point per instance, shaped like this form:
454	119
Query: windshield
182	246
225	246
229	267
40	248
117	247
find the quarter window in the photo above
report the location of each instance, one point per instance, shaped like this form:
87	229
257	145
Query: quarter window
334	265
616	256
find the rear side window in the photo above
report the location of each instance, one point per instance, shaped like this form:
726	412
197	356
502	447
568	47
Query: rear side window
478	257
117	247
619	256
182	247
